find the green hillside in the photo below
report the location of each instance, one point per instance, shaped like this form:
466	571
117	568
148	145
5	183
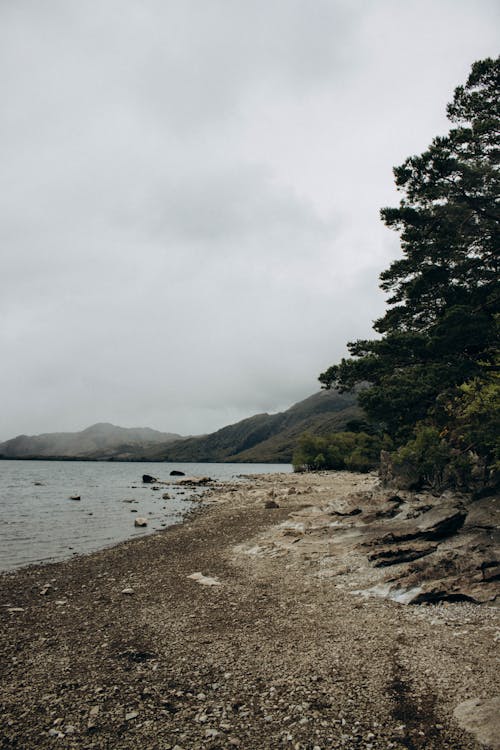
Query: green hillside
266	438
263	438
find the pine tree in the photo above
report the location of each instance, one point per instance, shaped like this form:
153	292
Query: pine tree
441	326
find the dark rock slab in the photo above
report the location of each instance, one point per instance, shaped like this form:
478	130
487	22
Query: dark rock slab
436	548
385	556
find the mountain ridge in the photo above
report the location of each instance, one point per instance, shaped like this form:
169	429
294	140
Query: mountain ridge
102	436
261	438
266	438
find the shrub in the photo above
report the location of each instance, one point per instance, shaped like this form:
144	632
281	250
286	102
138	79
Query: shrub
355	451
424	459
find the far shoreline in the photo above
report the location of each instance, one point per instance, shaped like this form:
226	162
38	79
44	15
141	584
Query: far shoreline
139	460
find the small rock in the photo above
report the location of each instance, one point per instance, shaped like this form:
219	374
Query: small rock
128	591
45	589
177	473
194	481
140	521
165	496
131	715
271	504
56	733
148	479
75	497
204	580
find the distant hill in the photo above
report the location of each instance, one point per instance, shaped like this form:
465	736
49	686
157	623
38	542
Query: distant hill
263	438
266	438
101	440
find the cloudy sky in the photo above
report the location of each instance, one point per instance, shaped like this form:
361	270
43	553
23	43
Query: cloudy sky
189	195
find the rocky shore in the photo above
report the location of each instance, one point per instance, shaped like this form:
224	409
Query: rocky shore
293	611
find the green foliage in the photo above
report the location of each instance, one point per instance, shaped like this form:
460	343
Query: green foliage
465	454
426	457
356	451
438	342
473	429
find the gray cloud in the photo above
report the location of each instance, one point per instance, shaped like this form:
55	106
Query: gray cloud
190	191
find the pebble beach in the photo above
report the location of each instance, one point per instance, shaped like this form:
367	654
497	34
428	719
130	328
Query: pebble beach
207	636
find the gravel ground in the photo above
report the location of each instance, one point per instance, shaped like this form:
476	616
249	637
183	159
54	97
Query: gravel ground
273	657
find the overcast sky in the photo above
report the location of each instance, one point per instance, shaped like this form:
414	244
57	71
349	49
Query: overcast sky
190	195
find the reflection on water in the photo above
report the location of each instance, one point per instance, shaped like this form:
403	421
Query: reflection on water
40	523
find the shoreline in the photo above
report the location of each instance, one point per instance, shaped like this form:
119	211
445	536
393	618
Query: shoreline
135	460
41	526
268	654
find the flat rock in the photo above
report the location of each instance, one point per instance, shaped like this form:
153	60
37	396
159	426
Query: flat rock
481	717
395	555
437	523
483	514
204	580
411	547
440	522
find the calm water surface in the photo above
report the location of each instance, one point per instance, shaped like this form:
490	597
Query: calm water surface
39	523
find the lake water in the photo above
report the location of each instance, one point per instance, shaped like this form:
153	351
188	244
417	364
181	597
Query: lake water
39	522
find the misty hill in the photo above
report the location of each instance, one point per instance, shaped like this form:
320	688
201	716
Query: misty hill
266	438
101	440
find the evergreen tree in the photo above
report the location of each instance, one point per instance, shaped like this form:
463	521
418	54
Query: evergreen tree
441	326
